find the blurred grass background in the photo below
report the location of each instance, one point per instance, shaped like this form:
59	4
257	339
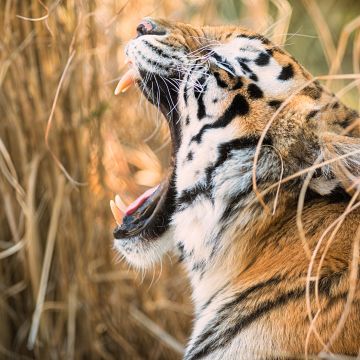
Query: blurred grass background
67	145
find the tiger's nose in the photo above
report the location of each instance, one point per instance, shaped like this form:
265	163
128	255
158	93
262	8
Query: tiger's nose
149	27
146	27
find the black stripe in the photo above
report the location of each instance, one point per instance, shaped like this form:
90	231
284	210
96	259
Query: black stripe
236	203
224	63
244	294
232	206
183	253
243	59
257	37
287	72
253	77
188	196
160	52
180	247
238	107
228	307
351	116
275	103
244	66
238	85
216	56
175	46
186	93
311	114
212	344
244	321
263	59
312	91
199	86
254	92
199	266
327	283
151	62
335	105
212	297
201	113
220	82
225	151
247	70
199	91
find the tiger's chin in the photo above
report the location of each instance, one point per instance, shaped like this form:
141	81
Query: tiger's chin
141	253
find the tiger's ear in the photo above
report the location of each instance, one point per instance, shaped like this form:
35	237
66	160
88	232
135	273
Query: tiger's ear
343	152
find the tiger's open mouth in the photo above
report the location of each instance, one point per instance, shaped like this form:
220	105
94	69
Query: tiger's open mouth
150	214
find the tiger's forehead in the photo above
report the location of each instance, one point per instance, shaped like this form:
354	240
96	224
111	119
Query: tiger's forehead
273	71
210	32
251	55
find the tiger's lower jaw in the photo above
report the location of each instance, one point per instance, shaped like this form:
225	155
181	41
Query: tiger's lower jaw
145	233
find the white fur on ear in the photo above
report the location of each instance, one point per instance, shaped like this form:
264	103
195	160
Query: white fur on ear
345	151
323	186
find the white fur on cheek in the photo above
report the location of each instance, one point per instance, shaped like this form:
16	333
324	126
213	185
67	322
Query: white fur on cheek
142	253
191	172
141	54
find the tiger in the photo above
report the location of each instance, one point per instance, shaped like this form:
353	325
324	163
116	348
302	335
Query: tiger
260	205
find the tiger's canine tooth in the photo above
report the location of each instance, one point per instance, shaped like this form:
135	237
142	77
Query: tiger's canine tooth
120	204
126	81
117	213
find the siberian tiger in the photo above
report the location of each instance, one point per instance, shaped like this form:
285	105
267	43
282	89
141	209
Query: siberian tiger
271	246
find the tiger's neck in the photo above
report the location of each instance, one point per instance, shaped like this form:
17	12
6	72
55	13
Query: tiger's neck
217	206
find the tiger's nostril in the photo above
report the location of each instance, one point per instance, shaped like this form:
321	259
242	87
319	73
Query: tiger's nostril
149	27
141	30
145	28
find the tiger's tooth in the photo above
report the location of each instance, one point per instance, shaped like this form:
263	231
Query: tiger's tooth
126	81
120	204
123	90
118	215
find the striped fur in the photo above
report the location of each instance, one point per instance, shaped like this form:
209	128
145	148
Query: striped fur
219	87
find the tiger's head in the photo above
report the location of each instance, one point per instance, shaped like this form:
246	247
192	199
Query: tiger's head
218	88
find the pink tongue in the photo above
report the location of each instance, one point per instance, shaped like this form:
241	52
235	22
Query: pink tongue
140	200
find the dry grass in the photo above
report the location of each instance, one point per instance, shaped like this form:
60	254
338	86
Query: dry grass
67	145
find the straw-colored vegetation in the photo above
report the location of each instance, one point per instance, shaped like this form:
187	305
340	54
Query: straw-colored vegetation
67	145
